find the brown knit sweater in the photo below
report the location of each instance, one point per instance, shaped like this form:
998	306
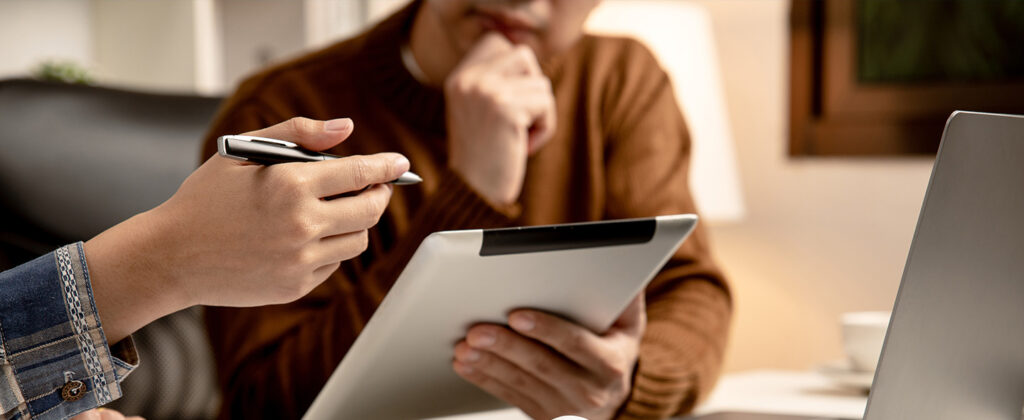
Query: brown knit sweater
621	150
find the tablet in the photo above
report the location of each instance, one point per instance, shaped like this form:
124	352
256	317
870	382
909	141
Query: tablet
400	365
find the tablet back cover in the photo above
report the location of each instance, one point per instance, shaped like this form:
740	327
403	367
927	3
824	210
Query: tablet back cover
400	365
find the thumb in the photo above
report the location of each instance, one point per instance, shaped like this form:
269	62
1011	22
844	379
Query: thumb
87	415
489	46
634	319
309	134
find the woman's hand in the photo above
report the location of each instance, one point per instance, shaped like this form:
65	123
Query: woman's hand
104	414
240	234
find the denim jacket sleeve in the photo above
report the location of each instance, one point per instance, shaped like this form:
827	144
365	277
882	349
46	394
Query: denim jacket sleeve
54	359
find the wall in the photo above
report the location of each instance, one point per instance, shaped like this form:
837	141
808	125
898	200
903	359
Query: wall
59	29
145	44
204	46
257	33
170	45
821	236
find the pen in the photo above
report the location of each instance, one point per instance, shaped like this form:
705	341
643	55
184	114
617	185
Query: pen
266	151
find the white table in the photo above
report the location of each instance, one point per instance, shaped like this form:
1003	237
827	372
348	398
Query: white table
785	392
762	391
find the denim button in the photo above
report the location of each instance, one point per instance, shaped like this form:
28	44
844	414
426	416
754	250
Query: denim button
73	391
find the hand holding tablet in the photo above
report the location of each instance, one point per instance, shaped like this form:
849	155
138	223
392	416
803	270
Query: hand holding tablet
582	280
547	365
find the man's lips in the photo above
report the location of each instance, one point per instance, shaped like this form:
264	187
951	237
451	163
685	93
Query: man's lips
511	26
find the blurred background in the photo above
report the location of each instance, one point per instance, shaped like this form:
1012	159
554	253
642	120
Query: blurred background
806	226
812	238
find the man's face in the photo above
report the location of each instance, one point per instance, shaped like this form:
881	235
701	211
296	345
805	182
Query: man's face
546	26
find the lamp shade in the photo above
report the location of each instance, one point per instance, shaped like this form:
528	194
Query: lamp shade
680	36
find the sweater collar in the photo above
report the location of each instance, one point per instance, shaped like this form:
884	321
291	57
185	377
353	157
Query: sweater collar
419	105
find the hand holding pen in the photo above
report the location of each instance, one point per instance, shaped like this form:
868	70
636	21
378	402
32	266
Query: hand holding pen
236	234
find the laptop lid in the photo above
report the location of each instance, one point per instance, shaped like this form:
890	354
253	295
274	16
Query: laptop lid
955	346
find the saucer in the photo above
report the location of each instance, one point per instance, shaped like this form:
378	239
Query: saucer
840	373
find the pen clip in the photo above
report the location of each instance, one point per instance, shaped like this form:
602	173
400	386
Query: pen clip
275	142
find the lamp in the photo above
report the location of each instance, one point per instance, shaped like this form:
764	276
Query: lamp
680	36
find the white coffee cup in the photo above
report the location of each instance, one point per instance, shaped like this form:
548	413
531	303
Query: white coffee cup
863	336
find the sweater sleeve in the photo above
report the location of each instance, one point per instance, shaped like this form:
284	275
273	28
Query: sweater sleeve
688	302
272	361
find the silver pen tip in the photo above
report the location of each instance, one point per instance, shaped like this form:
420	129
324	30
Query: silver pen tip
408	178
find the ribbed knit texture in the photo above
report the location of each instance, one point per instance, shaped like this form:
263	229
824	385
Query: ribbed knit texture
621	150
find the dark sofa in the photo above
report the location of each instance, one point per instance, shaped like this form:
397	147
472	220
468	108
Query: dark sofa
75	160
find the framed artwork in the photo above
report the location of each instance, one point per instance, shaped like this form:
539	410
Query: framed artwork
880	77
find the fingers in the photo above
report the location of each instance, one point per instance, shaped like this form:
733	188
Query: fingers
542	117
529	59
530	104
88	415
571	340
526	371
359	212
110	415
540	133
342	247
489	46
519	61
504	63
103	414
533	96
503	380
633	320
310	134
321	274
353	173
528	354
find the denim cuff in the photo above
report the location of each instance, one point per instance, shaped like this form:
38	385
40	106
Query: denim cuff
56	360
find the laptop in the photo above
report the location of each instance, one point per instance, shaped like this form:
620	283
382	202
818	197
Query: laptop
955	346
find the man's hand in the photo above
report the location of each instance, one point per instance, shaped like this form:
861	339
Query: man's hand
549	367
239	234
103	414
500	109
